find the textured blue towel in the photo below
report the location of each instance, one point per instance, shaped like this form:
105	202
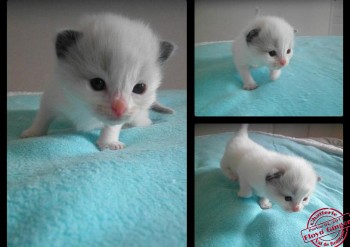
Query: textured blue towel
224	220
63	191
311	85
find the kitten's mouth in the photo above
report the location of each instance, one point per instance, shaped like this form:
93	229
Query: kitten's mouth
277	66
106	114
290	210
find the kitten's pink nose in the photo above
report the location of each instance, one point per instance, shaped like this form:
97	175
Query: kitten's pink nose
296	208
283	61
119	107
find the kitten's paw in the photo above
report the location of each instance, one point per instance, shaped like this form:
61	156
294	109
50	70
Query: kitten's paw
249	86
233	176
116	145
229	173
140	121
245	193
32	133
275	74
143	123
265	203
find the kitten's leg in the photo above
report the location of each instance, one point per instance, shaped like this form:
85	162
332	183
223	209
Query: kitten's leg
244	189
141	119
248	81
275	74
228	172
265	203
41	122
109	138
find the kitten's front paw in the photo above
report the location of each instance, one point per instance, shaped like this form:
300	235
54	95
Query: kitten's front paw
115	145
143	123
265	203
229	173
140	121
233	176
32	133
249	86
275	74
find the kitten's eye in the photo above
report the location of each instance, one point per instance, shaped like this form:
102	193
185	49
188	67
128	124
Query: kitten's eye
272	53
139	88
98	84
288	198
288	51
305	199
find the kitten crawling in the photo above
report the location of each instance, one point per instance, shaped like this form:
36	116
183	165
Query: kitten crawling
266	41
107	75
289	181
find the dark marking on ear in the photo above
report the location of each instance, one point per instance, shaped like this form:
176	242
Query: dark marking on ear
64	40
276	175
296	30
318	178
166	49
252	34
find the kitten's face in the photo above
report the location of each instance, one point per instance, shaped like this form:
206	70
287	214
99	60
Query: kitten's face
115	73
291	198
272	42
292	189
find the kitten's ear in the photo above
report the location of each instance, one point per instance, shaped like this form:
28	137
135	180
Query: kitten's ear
166	50
274	174
64	40
252	34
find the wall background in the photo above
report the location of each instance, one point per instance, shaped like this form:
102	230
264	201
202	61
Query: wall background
32	26
293	130
223	19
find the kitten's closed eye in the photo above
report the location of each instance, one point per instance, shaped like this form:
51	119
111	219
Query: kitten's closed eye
98	84
139	88
305	199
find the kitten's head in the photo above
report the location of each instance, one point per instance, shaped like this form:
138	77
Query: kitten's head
271	39
291	188
112	64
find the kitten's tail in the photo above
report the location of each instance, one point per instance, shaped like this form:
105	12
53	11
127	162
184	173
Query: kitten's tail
243	132
161	108
257	12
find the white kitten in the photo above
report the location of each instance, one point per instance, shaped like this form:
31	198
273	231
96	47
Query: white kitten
107	75
289	181
266	41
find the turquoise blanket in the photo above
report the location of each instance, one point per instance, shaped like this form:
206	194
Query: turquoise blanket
63	191
224	220
311	85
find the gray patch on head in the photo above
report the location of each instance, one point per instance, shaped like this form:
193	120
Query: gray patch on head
252	34
272	177
166	49
262	42
65	40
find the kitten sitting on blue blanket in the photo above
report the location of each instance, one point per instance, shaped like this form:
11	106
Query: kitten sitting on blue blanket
107	75
266	41
287	180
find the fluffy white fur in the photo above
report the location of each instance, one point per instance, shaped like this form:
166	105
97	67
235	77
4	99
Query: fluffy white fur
121	52
270	175
251	48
